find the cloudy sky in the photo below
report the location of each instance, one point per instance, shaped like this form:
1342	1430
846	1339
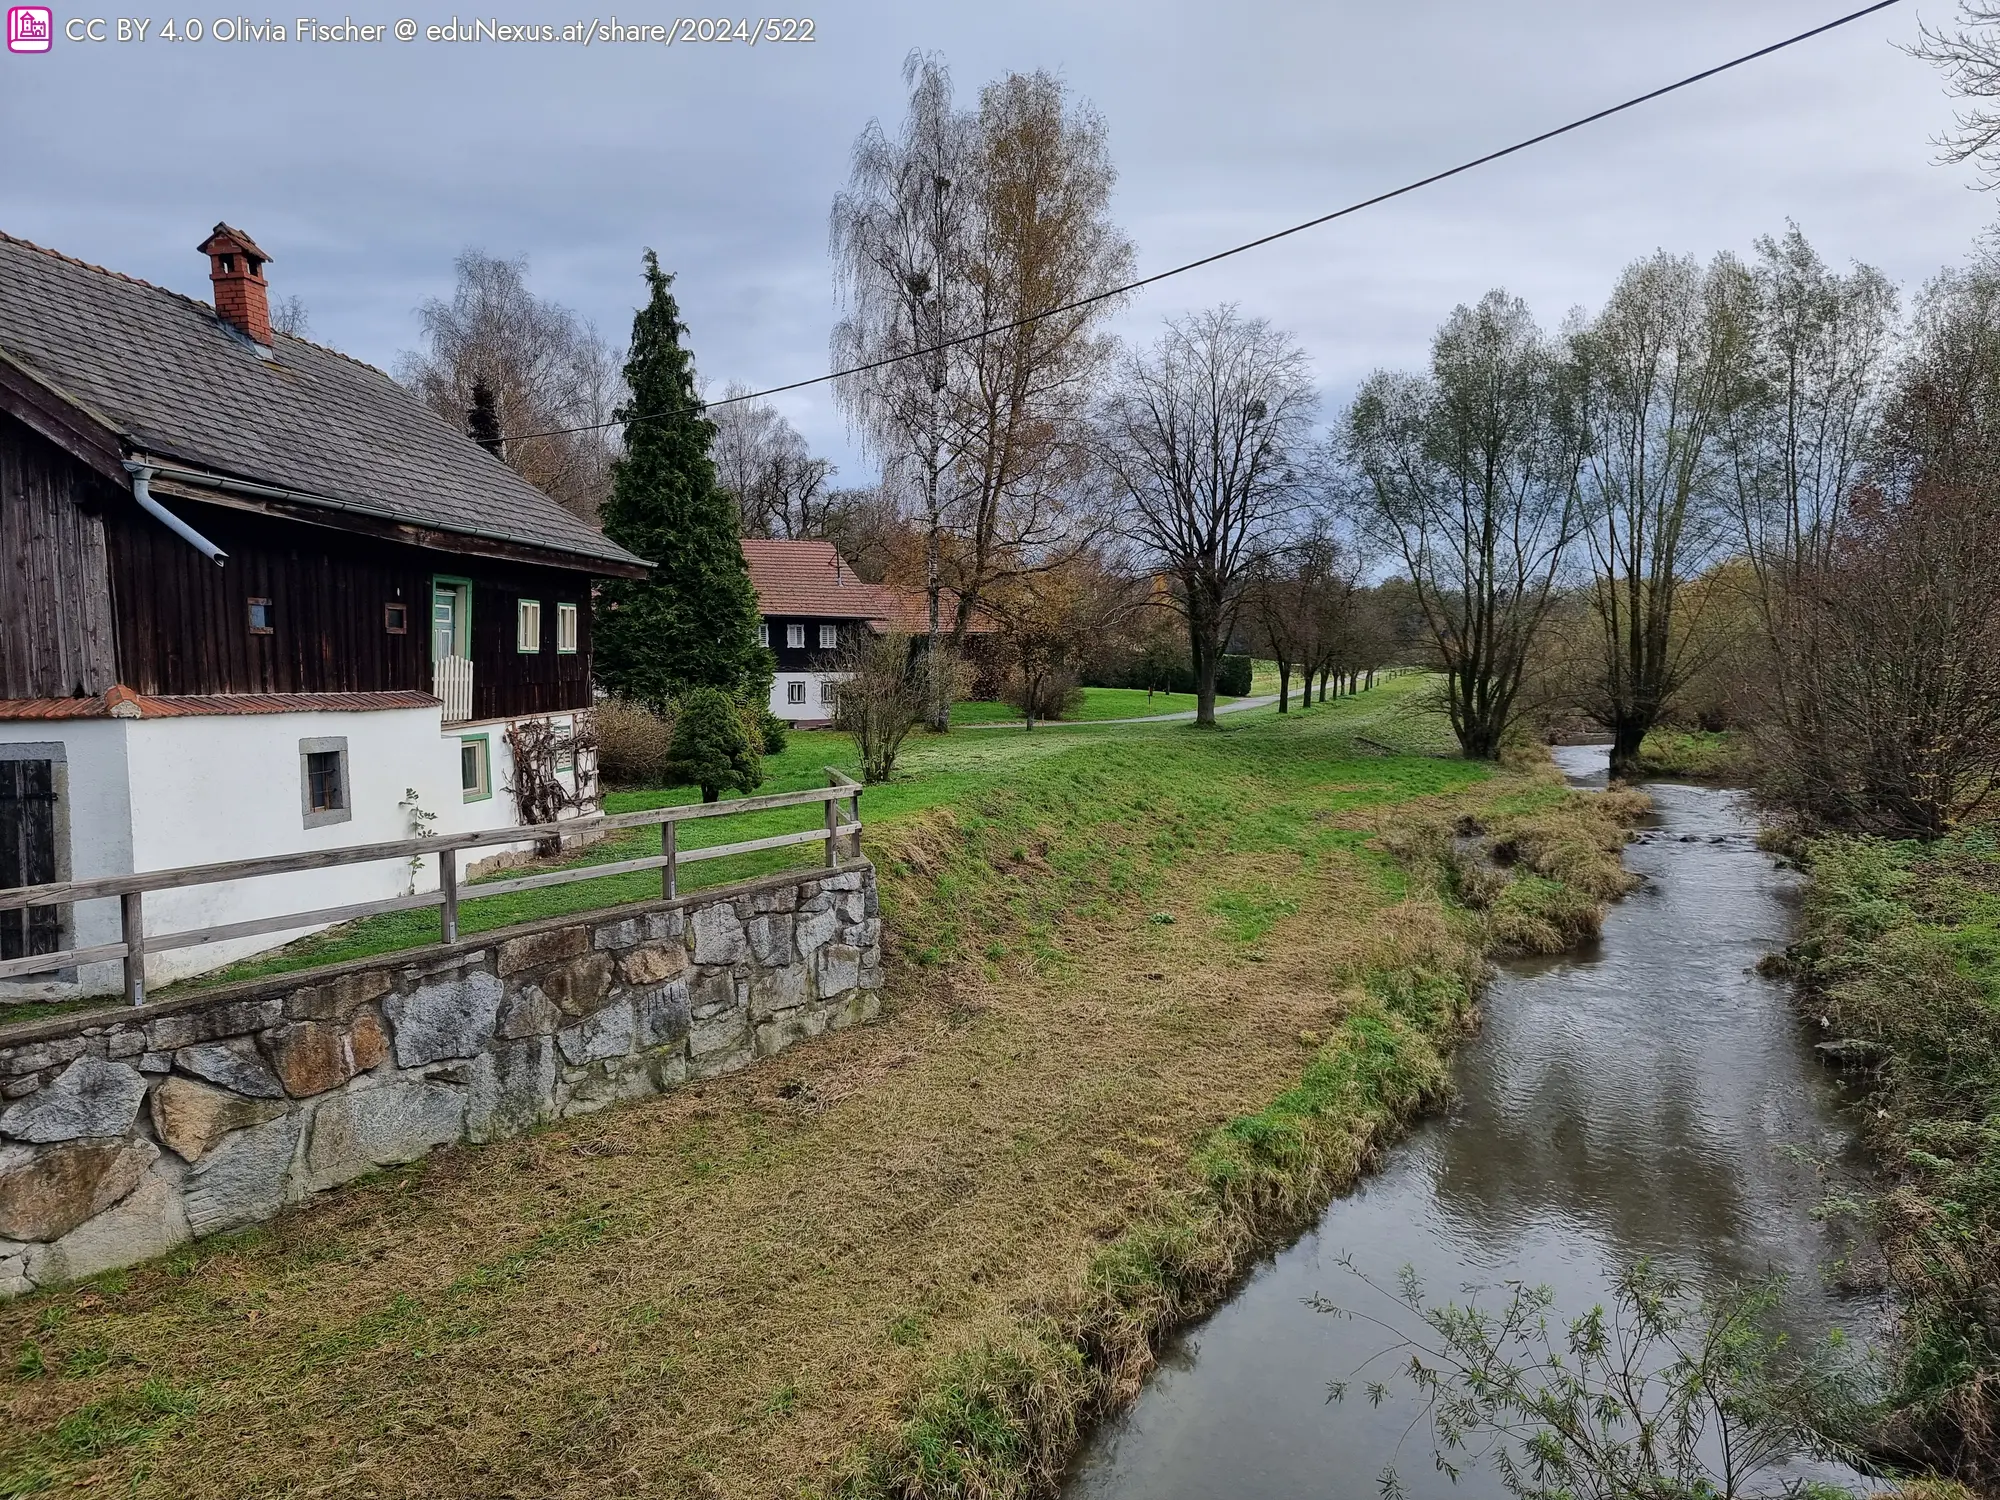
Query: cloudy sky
364	169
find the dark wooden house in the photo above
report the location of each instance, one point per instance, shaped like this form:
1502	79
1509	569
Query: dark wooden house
202	519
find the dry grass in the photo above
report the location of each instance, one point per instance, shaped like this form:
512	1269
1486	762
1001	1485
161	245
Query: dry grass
965	1226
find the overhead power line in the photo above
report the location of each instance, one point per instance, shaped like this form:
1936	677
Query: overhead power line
1247	245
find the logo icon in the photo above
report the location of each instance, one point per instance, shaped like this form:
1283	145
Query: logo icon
30	28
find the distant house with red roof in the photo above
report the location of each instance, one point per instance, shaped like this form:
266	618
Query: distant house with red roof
812	603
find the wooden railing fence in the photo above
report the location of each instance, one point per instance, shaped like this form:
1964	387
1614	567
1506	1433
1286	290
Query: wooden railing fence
130	890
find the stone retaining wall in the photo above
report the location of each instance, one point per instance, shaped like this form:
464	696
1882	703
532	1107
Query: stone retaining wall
125	1134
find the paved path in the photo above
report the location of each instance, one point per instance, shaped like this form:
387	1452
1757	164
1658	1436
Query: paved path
1235	707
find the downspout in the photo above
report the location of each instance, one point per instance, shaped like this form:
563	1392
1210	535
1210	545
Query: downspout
142	491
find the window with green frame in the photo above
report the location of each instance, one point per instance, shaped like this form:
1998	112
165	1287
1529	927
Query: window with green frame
475	767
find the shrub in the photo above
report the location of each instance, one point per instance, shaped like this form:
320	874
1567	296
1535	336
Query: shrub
771	730
711	748
633	744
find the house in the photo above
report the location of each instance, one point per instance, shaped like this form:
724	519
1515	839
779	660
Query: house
255	598
812	604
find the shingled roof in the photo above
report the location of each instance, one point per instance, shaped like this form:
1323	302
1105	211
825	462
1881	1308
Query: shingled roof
172	382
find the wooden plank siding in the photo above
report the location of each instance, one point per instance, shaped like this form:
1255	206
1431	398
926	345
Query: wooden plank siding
56	629
507	681
93	591
184	623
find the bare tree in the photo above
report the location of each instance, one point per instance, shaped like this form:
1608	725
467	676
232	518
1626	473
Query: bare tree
1892	648
1298	603
1663	371
289	316
899	250
882	695
780	488
1468	475
547	369
1202	436
1970	58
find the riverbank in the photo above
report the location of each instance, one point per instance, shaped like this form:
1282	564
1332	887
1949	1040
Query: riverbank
1900	957
1151	1003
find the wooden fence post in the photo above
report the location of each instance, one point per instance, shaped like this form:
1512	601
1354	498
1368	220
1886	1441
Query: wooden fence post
132	928
670	847
448	883
832	832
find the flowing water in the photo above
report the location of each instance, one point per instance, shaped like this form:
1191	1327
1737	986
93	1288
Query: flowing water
1649	1096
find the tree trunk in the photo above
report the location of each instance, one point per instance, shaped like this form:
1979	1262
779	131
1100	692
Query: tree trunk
711	794
1626	737
1204	645
1284	687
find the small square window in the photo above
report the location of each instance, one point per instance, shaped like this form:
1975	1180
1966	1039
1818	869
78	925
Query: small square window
566	628
795	692
829	691
475	767
829	637
795	636
528	625
396	619
764	632
323	782
262	621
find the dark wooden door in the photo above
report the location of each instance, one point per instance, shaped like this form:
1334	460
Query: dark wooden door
28	854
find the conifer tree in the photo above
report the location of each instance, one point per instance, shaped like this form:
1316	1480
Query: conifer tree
712	749
482	419
693	622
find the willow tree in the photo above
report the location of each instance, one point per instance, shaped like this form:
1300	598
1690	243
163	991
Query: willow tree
1663	371
1468	475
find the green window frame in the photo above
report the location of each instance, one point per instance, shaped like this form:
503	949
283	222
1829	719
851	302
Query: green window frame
475	766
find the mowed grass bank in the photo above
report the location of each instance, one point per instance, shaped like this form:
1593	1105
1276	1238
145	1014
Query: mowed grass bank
1155	994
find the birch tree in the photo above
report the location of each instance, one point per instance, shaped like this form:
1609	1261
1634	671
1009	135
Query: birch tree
1468	476
1202	435
544	367
954	244
899	234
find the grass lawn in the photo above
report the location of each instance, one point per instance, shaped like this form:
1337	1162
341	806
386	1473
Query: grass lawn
1098	703
1153	994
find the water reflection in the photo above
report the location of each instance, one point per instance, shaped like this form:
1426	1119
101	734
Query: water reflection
1651	1096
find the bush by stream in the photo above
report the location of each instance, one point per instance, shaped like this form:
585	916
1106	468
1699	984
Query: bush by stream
1901	950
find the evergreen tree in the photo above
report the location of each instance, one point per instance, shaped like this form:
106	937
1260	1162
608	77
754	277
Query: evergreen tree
482	421
693	622
712	748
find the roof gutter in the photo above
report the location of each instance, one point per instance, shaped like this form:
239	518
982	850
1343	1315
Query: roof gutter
142	491
307	497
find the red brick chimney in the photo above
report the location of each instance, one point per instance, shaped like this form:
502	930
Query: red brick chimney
236	266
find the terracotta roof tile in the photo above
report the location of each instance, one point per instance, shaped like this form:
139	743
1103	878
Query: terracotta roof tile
122	702
812	579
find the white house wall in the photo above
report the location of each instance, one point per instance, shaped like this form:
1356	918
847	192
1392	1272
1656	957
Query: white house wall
814	709
151	794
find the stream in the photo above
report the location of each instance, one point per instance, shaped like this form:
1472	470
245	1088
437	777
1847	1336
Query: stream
1649	1095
